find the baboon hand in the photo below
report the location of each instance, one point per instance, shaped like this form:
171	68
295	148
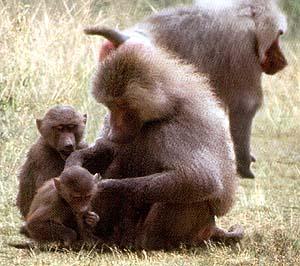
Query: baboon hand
91	218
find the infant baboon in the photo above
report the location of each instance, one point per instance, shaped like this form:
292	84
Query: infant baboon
233	42
173	159
61	131
60	210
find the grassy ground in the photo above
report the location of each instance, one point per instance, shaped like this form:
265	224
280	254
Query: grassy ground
46	60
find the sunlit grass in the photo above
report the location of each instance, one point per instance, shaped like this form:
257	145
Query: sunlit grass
46	60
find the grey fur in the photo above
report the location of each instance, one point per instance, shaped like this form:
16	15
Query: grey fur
227	40
181	161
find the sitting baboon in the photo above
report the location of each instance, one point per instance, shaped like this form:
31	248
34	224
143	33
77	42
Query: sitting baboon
169	144
233	43
61	131
60	210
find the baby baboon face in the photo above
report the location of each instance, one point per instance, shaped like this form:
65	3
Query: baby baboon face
79	201
62	128
76	186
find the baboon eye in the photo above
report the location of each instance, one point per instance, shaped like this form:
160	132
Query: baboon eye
71	126
59	128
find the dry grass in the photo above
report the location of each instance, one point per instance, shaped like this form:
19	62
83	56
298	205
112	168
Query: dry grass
45	60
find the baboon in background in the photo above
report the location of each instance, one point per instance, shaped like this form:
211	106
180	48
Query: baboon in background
60	210
61	131
234	45
232	42
172	153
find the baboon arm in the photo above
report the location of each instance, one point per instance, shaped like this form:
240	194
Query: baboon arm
39	214
26	191
96	159
171	186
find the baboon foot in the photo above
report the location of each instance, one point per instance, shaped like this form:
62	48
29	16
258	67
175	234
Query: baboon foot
234	235
245	171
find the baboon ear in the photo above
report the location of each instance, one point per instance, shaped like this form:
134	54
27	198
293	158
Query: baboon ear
57	183
39	124
84	118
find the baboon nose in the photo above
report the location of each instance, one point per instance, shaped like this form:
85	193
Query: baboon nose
69	147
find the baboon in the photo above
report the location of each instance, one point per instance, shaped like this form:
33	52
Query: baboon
233	43
61	130
60	210
171	152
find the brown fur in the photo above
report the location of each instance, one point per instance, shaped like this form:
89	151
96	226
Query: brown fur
60	208
172	155
46	157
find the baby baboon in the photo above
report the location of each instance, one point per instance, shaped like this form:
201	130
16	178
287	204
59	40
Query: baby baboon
173	158
60	208
61	132
233	42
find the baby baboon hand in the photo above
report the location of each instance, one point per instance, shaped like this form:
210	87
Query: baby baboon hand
91	218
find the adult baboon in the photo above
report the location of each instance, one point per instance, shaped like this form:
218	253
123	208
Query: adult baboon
233	43
61	132
169	143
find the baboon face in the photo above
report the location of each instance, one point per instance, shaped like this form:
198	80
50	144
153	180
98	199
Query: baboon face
274	60
270	25
124	122
77	186
62	128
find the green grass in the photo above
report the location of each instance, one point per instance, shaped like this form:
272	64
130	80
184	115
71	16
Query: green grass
46	60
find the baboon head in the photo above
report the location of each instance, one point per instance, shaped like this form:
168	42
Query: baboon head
132	81
77	187
270	24
62	128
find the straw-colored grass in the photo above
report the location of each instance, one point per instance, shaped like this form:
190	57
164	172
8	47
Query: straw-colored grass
46	60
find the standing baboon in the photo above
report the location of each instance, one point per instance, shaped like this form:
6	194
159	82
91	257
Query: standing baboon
172	152
233	43
60	210
61	132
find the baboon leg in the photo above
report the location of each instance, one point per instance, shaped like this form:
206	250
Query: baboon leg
233	235
240	128
169	225
51	231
